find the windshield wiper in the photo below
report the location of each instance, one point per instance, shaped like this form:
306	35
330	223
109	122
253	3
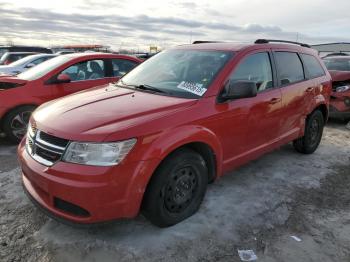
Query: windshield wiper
148	87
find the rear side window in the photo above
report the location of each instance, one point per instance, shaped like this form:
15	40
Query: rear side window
289	67
312	66
257	68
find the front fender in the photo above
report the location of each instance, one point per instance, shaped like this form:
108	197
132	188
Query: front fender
171	139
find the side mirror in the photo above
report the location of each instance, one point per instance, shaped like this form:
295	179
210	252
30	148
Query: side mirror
30	65
239	89
63	78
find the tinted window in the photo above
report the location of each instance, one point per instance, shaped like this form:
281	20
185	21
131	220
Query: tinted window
337	64
312	66
257	68
290	69
87	70
122	66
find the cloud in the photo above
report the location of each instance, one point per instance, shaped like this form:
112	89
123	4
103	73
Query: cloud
113	28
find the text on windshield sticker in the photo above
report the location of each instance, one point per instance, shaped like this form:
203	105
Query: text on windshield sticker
194	88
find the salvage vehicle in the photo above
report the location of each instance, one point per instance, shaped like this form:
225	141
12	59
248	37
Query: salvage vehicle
57	77
153	141
339	68
10	57
340	98
24	64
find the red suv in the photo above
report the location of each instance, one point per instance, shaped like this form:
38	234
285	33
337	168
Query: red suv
181	119
55	78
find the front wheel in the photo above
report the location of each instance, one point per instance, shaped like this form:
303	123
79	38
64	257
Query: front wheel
177	188
15	123
313	134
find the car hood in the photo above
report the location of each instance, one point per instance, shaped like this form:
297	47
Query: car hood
95	114
339	75
8	82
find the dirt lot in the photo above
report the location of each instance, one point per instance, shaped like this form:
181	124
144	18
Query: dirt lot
257	207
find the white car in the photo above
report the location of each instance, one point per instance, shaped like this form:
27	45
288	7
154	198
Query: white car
25	63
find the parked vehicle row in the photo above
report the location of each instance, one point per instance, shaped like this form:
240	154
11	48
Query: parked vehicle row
57	77
152	141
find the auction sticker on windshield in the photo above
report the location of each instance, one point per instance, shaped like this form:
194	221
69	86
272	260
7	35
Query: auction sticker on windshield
194	88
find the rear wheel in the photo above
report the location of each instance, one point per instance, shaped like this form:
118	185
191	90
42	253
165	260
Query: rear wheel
313	134
15	123
177	188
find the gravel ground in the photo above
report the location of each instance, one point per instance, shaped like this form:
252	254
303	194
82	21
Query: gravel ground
258	207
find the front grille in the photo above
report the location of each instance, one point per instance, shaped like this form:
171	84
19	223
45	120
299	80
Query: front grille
45	148
53	140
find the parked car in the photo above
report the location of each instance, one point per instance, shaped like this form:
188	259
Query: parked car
339	68
338	63
10	57
18	48
24	64
340	98
153	140
52	79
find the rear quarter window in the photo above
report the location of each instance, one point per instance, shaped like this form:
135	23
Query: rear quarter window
289	67
313	67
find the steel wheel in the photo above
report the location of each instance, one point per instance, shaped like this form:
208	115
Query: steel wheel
181	189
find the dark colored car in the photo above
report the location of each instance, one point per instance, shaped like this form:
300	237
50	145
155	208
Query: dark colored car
153	140
339	68
10	57
57	77
34	49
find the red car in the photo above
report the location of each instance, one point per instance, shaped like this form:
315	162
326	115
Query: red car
339	68
181	119
55	78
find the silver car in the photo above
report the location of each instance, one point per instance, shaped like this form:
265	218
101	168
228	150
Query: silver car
25	63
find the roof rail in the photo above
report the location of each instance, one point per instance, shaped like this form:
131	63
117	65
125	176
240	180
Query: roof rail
265	41
204	42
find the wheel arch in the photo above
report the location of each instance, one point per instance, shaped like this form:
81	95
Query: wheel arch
12	109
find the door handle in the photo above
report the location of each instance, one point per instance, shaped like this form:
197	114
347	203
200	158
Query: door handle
309	89
274	100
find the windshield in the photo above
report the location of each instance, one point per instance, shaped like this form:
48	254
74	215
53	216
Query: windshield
182	73
337	64
24	60
43	68
3	51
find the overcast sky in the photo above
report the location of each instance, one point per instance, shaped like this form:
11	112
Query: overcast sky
138	24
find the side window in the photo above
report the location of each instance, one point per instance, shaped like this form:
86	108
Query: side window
40	60
290	68
86	70
122	66
312	66
257	68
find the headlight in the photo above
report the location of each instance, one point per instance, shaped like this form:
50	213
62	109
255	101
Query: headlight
342	88
98	154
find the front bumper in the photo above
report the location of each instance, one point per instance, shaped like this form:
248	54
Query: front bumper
86	194
340	105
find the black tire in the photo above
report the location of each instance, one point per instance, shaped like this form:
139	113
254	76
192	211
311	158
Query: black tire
176	189
313	134
16	121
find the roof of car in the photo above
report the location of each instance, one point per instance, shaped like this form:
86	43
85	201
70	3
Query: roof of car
95	54
235	47
20	53
340	57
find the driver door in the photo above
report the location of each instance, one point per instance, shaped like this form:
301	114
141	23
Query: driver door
83	75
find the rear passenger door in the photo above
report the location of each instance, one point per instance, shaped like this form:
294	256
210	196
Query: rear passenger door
295	92
120	67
